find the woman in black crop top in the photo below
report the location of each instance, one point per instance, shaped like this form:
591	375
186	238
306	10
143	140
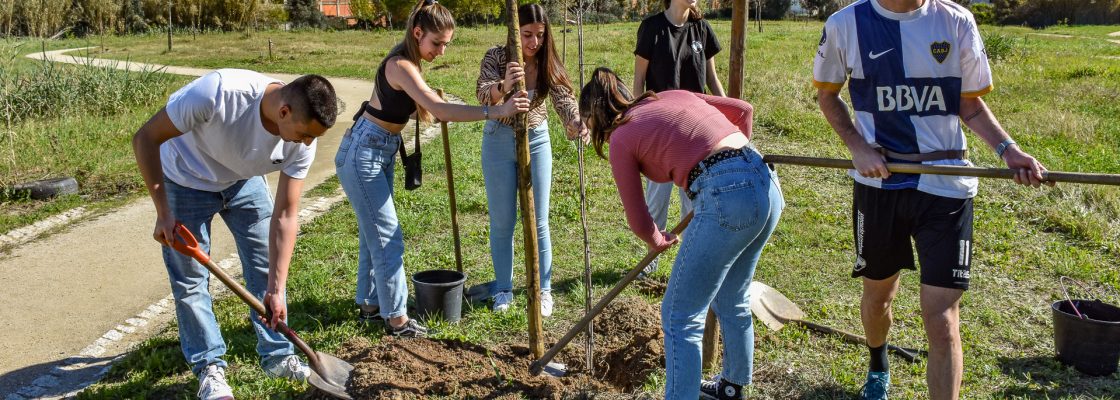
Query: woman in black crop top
365	159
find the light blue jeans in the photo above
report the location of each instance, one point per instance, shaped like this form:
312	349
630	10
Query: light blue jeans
499	170
657	201
246	208
738	205
364	164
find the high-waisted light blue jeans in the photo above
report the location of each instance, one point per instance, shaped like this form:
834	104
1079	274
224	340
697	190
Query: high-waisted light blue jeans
499	169
738	204
364	164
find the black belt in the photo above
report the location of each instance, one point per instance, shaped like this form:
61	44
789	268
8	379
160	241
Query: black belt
707	163
931	156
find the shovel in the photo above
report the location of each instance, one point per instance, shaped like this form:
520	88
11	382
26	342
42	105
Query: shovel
329	373
775	311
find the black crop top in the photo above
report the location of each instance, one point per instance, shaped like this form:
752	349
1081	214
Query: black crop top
396	105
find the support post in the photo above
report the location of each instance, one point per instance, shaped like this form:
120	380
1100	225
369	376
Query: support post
168	25
525	194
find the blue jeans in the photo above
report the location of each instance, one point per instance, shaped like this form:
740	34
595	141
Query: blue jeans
657	201
499	169
246	208
738	205
364	164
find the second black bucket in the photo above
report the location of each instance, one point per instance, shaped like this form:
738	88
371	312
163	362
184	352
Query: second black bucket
439	292
1090	344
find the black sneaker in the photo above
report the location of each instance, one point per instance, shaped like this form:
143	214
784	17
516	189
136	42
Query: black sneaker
411	329
370	315
720	389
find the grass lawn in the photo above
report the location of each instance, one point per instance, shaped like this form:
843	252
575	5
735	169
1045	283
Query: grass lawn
1059	97
93	145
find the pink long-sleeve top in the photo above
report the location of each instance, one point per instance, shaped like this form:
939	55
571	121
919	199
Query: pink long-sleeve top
663	140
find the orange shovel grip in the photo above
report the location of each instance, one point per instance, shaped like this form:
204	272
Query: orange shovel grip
186	243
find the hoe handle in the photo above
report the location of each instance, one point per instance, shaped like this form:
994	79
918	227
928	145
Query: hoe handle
910	355
905	168
186	243
537	366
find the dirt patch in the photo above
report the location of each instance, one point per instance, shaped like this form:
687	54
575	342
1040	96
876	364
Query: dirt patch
651	287
628	348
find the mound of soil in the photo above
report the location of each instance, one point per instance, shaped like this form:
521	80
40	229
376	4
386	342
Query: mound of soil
628	346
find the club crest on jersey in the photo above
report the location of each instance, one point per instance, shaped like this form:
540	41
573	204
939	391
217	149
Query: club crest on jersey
697	47
939	50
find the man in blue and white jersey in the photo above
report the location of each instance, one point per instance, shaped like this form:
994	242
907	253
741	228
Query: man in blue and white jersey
915	70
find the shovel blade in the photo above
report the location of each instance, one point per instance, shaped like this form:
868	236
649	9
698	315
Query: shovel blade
331	375
759	310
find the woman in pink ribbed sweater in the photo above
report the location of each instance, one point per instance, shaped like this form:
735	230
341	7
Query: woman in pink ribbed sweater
701	143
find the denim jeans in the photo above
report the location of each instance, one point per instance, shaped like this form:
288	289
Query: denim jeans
657	201
738	204
499	170
246	208
364	164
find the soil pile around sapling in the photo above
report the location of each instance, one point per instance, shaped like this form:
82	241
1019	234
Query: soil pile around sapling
628	347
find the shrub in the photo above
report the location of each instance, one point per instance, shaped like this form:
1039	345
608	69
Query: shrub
305	13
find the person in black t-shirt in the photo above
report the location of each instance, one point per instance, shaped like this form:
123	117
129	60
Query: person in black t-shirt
676	50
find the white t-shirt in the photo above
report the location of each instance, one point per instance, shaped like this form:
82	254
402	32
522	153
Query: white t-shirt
908	72
223	139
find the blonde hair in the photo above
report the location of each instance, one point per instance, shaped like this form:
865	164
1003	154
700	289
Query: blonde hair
430	17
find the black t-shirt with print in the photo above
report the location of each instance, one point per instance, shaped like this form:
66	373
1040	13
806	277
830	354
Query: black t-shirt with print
677	56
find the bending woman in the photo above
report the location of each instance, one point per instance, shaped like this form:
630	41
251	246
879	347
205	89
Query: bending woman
701	144
366	156
544	77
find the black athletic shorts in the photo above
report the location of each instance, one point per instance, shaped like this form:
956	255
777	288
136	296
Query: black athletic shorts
884	221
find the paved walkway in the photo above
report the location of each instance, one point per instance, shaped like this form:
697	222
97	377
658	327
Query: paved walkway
73	301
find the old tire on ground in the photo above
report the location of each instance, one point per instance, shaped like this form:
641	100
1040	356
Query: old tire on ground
45	189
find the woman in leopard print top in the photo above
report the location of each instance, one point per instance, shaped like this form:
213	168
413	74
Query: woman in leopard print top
544	76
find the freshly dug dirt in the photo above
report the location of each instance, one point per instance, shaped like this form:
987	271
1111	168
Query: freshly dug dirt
628	347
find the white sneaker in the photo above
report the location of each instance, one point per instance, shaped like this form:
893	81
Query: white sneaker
212	384
546	303
289	367
502	301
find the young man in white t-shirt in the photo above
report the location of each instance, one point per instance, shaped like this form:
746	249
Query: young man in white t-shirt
205	153
915	70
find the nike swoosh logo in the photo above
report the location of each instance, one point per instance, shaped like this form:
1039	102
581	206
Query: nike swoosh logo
873	55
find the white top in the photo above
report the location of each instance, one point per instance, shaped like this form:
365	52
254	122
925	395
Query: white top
907	73
223	138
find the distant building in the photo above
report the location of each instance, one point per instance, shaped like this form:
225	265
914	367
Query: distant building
335	8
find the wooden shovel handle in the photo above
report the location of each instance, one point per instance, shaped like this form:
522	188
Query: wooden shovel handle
953	170
186	243
909	355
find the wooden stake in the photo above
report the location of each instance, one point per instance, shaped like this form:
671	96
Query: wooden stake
525	193
450	189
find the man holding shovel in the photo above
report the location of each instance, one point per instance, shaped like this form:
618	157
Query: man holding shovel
916	70
205	153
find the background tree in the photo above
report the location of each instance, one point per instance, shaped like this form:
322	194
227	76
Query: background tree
305	13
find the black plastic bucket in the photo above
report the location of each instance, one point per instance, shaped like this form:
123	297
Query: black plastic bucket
439	292
1090	344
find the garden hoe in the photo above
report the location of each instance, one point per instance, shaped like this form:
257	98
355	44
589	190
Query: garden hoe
775	311
329	373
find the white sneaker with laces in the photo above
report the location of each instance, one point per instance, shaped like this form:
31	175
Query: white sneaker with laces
546	303
289	367
212	384
502	301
